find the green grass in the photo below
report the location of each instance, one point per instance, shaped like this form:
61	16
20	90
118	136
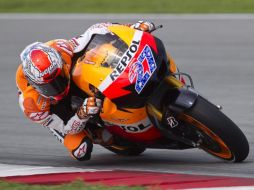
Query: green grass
77	185
127	6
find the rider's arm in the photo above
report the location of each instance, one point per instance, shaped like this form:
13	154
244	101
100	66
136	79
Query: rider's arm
78	121
80	42
37	108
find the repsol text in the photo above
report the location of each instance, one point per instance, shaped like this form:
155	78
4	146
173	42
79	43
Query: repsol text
122	64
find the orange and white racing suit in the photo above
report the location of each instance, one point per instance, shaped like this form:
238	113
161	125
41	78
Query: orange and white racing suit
68	128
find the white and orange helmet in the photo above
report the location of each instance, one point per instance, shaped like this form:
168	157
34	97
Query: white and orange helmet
45	70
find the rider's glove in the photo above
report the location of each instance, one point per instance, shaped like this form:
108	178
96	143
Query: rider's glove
90	107
144	26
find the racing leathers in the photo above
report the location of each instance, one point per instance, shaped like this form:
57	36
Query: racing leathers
64	121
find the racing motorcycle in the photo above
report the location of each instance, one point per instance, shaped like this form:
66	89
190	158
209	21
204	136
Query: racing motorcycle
146	102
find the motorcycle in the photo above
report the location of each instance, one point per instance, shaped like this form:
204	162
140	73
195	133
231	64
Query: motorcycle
146	102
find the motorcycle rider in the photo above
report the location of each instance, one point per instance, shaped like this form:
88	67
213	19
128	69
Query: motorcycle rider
44	83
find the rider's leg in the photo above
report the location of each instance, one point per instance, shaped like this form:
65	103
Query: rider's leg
79	145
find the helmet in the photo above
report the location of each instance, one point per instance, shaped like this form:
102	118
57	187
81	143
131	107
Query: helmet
45	70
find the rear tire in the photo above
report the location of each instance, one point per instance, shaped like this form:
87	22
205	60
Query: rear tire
231	143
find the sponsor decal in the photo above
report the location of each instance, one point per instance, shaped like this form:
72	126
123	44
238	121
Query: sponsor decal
81	151
138	127
74	42
123	62
75	127
172	122
142	70
38	116
54	65
65	46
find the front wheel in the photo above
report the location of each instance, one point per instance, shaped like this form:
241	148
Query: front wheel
216	133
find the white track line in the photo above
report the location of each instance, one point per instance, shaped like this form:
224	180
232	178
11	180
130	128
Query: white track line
23	170
15	170
39	16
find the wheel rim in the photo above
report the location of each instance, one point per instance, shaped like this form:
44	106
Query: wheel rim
223	152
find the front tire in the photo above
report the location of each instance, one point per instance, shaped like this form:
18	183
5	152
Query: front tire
219	135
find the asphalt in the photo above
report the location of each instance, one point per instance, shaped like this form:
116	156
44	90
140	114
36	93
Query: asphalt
218	52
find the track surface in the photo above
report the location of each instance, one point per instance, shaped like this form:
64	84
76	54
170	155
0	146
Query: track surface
217	52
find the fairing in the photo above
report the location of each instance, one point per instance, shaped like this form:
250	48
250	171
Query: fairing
126	66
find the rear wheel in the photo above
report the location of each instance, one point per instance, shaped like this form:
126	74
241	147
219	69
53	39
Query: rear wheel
215	133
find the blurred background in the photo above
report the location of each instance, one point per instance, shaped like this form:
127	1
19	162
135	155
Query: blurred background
125	6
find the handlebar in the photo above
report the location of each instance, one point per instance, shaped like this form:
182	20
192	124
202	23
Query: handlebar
156	28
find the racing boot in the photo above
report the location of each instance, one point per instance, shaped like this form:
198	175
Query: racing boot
79	145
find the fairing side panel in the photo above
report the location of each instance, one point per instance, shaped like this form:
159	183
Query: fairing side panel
85	74
131	124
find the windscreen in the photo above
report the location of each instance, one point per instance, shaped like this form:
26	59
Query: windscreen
104	50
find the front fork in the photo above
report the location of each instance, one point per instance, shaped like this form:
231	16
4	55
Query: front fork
173	94
172	99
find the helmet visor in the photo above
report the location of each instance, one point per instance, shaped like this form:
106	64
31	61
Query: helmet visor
55	87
